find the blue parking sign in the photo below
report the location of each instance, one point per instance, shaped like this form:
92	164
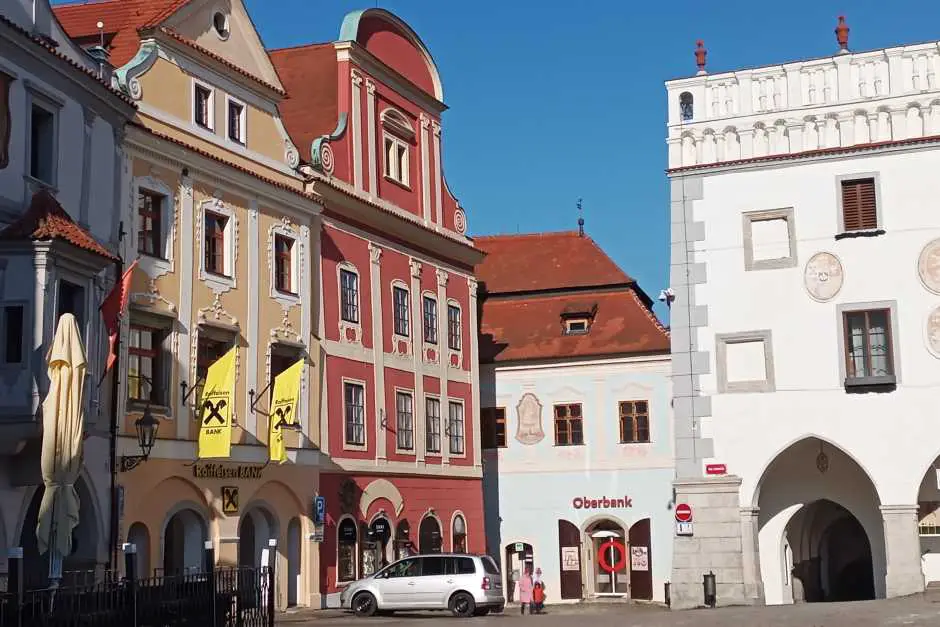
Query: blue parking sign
319	509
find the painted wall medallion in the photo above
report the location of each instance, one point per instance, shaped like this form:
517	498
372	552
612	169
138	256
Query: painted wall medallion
460	221
529	420
932	331
928	266
823	276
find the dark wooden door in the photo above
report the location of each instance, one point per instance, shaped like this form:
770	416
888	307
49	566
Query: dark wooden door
641	561
569	549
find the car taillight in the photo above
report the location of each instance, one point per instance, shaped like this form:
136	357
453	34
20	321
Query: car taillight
486	583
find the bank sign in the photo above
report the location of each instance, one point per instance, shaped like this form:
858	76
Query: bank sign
605	502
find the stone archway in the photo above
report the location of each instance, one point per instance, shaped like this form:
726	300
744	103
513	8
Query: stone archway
184	538
808	494
928	523
139	536
257	527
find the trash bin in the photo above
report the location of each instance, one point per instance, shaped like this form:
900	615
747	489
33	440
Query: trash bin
708	584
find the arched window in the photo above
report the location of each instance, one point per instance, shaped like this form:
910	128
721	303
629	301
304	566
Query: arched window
685	106
429	535
459	535
347	538
403	544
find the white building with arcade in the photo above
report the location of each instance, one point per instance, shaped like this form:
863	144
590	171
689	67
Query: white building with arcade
805	326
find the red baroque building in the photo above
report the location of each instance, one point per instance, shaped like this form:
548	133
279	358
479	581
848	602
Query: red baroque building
398	316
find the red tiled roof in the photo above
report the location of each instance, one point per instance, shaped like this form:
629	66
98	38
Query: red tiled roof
545	261
47	220
122	18
515	329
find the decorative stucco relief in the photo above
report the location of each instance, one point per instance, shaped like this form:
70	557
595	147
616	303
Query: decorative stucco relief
932	332
928	266
529	420
823	276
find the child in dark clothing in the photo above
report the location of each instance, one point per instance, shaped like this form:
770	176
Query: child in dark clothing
538	598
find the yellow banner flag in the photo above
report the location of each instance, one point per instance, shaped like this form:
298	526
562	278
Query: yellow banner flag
218	401
283	409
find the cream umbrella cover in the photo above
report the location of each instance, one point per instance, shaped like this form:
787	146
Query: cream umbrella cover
63	427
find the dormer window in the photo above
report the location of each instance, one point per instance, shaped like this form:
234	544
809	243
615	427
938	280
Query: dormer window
577	318
577	326
399	135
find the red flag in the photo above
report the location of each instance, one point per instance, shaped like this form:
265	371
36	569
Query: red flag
112	309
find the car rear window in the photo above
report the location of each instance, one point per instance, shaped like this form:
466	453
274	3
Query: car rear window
489	566
464	566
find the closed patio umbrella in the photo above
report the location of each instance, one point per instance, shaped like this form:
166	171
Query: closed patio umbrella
62	436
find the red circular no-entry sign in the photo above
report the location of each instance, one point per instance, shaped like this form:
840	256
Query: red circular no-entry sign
683	513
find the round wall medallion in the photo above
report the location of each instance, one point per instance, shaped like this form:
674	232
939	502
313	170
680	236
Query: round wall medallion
326	158
932	332
823	276
460	221
928	266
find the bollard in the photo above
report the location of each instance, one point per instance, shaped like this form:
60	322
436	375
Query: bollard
272	579
208	567
130	576
708	584
668	595
208	557
15	582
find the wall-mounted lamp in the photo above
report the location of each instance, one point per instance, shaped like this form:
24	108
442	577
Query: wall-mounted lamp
146	427
383	421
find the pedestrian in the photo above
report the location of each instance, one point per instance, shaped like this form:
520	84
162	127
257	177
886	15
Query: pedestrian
538	598
524	591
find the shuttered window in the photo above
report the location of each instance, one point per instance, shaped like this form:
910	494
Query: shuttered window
859	211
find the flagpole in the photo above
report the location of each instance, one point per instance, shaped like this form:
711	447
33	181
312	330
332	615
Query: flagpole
112	444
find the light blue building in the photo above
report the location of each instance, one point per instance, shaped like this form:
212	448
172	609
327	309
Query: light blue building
577	424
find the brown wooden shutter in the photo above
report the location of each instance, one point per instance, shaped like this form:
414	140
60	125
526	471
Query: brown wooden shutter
859	210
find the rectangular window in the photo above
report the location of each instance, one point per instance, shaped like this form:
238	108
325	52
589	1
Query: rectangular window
453	327
236	122
493	427
576	326
349	295
283	264
215	243
396	160
208	351
569	430
150	223
859	205
868	347
430	320
400	303
456	428
433	439
355	413
634	422
13	334
145	365
42	144
406	424
202	106
72	300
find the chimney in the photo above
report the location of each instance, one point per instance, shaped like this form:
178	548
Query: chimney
580	219
700	53
842	35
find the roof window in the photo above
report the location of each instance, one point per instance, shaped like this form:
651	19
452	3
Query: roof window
576	318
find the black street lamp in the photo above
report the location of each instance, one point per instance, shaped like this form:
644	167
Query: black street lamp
146	427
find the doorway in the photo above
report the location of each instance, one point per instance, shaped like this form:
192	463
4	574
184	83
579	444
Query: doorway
569	547
520	558
641	561
183	542
294	584
610	574
429	535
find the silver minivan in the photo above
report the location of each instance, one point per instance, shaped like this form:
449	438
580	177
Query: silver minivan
467	585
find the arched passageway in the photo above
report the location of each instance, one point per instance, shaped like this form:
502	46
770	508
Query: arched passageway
139	536
184	539
821	532
294	582
257	527
520	558
609	574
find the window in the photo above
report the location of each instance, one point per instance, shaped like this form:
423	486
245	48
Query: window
236	121
634	422
406	423
347	537
202	106
282	357
430	320
569	430
355	413
215	243
576	326
869	358
42	143
405	568
13	334
456	428
145	359
72	300
494	427
859	205
396	160
433	566
400	303
459	545
453	327
349	295
283	264
769	239
433	437
150	223
220	24
208	351
745	362
685	106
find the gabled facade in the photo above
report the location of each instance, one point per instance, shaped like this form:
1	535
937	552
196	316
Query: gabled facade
61	161
226	238
576	420
398	315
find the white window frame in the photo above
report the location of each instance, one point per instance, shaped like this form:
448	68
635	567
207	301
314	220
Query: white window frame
450	351
296	280
346	582
397	169
216	282
348	267
440	435
397	283
53	107
365	414
466	530
463	413
192	105
414	422
570	322
242	121
154	266
437	321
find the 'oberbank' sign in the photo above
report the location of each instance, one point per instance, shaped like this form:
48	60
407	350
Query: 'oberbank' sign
583	502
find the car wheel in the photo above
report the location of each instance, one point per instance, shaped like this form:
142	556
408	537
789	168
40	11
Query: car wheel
481	611
363	604
462	605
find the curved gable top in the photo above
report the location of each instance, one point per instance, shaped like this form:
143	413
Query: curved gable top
384	35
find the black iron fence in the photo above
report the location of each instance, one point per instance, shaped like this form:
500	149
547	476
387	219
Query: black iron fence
215	597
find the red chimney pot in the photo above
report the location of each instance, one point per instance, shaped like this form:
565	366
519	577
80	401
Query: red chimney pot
842	34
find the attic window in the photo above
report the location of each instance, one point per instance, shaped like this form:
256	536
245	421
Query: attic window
576	318
577	326
220	24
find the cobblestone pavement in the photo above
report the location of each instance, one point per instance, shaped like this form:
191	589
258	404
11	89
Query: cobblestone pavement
917	610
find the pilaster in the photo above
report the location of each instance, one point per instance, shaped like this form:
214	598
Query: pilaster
753	582
438	174
417	341
902	549
475	425
187	268
254	265
425	169
371	136
378	348
443	358
356	125
88	127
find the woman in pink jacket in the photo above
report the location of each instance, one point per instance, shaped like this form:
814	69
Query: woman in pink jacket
524	590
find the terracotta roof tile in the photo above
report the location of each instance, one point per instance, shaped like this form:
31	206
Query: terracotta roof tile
517	329
46	220
545	261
